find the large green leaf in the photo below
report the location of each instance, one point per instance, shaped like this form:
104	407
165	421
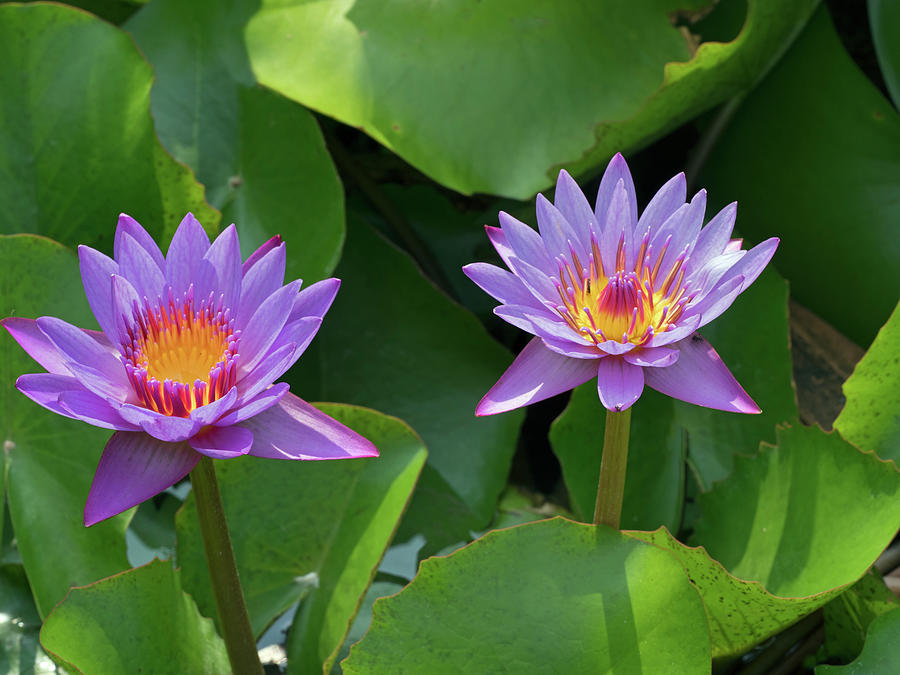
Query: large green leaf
752	338
871	417
556	595
881	652
261	157
51	459
804	517
309	529
140	621
473	94
395	343
813	155
77	144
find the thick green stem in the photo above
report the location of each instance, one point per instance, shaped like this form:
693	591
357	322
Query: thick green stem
233	619
611	486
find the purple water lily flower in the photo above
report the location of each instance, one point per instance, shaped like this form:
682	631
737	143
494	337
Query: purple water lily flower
611	295
191	344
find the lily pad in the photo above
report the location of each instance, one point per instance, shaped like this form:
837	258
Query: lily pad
262	157
314	531
571	597
871	417
161	631
777	517
813	156
442	85
75	112
50	459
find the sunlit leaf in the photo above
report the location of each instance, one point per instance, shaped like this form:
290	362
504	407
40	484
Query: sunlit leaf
137	621
566	596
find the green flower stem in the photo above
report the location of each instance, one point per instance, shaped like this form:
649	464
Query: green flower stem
233	619
611	486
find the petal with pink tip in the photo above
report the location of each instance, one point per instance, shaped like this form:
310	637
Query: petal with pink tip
619	383
222	442
293	429
261	280
700	377
536	374
133	468
260	253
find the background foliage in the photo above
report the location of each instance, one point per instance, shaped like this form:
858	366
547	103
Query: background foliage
378	137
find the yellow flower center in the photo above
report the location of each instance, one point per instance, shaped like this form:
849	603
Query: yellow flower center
181	354
626	306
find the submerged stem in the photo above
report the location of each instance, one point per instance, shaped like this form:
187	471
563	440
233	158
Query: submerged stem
233	619
611	486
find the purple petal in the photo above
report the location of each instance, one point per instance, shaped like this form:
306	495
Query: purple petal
265	325
125	301
716	301
733	245
133	468
537	283
224	257
714	237
96	269
500	284
572	349
500	243
260	253
90	408
209	413
188	247
619	383
616	348
293	429
129	227
141	270
555	230
261	280
163	427
683	230
95	367
526	244
709	275
753	263
652	357
263	401
222	442
536	374
315	300
618	225
298	334
616	170
700	377
266	372
37	345
668	199
45	389
685	326
574	207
